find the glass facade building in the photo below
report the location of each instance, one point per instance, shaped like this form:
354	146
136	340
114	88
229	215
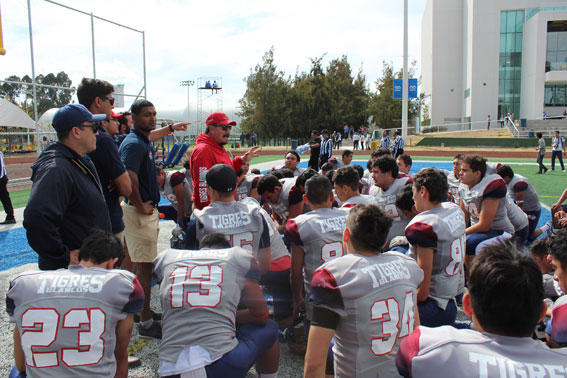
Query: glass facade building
510	66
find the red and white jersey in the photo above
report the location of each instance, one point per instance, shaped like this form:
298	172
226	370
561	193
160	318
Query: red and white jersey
454	184
353	201
67	318
365	189
387	201
375	297
490	187
492	167
447	352
281	207
199	292
175	178
320	234
443	230
520	184
246	186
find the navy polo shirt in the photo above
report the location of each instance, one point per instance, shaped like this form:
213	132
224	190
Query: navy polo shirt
137	154
109	166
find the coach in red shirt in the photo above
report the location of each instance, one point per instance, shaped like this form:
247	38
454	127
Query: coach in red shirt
209	150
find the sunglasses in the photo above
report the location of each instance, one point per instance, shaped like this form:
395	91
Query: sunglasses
92	126
110	99
224	127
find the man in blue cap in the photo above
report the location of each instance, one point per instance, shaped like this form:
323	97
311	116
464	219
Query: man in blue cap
66	199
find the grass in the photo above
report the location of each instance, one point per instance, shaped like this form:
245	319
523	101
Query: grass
549	186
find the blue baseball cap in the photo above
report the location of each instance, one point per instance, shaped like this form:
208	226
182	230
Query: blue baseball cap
73	115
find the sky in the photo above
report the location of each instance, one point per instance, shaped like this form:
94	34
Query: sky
188	40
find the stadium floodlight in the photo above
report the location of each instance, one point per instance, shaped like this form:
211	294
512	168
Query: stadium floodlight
188	84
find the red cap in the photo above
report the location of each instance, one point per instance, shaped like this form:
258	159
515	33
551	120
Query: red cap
117	116
219	118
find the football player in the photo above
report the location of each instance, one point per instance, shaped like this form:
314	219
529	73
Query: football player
387	184
347	185
365	299
437	241
505	300
204	332
280	196
483	200
76	321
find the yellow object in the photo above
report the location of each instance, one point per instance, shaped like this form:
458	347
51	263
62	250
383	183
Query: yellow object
2	50
374	145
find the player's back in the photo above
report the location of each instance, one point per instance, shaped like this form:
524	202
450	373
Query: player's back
242	223
448	352
67	318
281	207
246	186
320	233
375	297
355	200
443	229
519	183
200	291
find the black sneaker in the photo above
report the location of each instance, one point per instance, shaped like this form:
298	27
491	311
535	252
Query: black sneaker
155	316
9	221
153	331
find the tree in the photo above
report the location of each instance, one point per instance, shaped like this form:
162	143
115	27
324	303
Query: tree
47	98
387	111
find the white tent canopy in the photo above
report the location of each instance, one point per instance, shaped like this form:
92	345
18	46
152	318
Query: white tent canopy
12	116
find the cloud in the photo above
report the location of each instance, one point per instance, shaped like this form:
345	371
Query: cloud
185	40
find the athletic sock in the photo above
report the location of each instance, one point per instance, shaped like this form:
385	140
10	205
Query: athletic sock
147	323
266	375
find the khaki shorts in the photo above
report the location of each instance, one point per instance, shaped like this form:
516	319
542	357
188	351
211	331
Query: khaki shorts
141	234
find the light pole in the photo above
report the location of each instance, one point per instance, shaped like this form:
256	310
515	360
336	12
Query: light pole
188	84
405	86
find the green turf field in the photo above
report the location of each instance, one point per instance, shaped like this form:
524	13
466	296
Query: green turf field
549	186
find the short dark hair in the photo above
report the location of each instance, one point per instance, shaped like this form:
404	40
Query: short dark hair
255	171
539	135
277	173
368	226
406	159
267	183
330	175
216	240
63	135
506	290
316	132
327	167
369	164
286	172
476	163
404	198
459	156
359	170
137	106
505	171
304	176
347	176
540	247
382	151
101	246
89	89
317	189
347	153
435	181
294	153
558	246
387	164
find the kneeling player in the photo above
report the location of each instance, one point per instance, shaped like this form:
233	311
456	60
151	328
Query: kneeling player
76	321
505	300
366	299
204	334
437	239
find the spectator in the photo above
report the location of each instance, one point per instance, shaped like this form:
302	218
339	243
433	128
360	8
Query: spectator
355	141
540	153
254	138
557	150
338	140
66	175
242	139
4	195
368	140
315	144
209	150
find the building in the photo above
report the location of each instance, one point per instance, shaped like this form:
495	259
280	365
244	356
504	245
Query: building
485	57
